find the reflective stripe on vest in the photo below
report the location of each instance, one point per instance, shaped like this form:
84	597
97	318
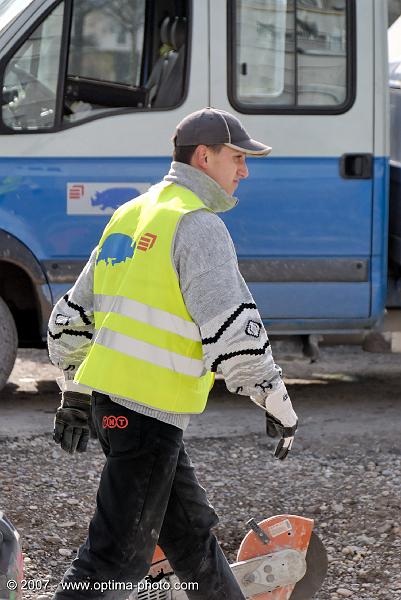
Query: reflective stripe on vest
127	307
146	346
149	353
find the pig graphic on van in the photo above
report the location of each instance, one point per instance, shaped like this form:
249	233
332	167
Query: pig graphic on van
113	197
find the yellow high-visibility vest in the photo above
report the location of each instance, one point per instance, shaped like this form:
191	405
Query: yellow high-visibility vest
146	347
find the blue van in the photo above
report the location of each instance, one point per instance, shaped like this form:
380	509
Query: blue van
92	91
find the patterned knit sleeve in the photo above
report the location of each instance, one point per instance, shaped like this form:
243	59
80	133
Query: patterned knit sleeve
234	339
71	323
235	343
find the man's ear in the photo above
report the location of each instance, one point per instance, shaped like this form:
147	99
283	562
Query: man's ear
199	158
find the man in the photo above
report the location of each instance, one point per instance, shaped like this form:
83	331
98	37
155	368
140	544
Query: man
159	308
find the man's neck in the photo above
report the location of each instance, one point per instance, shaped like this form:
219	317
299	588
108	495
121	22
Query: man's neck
203	186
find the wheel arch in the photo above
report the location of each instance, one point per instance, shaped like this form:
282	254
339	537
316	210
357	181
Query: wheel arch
25	289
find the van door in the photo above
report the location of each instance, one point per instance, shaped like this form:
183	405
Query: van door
299	75
92	93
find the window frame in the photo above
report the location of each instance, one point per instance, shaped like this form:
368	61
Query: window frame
285	109
59	123
5	129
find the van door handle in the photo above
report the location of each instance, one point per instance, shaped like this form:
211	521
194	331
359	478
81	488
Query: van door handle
356	166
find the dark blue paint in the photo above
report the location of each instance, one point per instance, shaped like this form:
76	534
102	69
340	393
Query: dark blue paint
301	207
312	301
380	236
289	208
395	213
33	199
116	248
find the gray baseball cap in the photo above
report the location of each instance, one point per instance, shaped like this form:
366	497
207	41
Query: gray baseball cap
211	126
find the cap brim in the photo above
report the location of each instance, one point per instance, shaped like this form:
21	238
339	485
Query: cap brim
251	147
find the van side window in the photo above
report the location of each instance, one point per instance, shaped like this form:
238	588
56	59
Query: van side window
105	56
289	54
31	77
90	58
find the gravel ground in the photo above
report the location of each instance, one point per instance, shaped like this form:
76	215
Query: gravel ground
354	497
350	484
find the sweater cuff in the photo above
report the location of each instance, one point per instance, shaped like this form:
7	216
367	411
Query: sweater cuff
66	383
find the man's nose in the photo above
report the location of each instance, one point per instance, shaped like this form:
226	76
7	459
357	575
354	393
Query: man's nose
243	170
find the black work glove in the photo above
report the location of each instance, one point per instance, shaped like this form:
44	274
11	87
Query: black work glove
286	434
271	430
71	423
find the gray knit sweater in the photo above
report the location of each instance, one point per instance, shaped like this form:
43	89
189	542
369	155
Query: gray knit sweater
234	339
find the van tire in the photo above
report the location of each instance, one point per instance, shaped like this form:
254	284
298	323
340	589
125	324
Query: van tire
8	343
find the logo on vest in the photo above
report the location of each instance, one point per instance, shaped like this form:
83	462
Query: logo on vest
147	241
118	247
112	422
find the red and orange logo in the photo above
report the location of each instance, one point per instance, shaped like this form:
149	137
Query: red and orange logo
112	422
146	241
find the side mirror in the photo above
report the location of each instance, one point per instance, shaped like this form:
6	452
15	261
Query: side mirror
9	95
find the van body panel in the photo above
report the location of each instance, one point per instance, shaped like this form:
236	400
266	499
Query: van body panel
296	203
304	135
39	189
311	242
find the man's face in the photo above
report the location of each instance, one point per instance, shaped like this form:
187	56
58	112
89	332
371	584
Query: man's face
226	167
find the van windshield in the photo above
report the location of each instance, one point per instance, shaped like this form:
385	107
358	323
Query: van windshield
9	9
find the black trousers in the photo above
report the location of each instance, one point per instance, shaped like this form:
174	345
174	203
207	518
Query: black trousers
148	494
